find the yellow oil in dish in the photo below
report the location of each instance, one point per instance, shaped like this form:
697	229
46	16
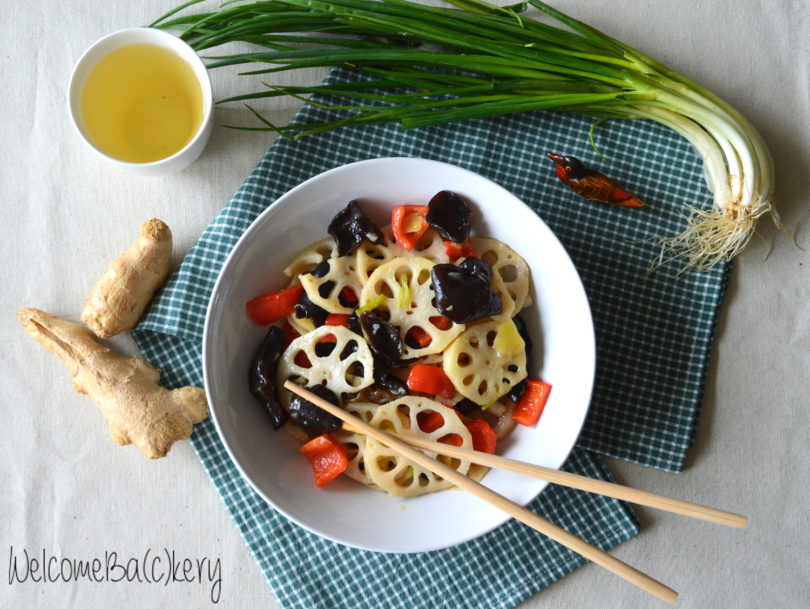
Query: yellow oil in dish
142	103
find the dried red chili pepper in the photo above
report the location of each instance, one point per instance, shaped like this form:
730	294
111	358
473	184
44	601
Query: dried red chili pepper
590	183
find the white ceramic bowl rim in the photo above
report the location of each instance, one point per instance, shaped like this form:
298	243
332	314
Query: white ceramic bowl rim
136	35
585	361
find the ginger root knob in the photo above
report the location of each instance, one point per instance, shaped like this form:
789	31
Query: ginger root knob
139	411
121	295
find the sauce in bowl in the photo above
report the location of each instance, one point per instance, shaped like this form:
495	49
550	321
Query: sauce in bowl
141	98
142	103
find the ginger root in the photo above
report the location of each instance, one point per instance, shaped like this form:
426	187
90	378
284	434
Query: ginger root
139	411
121	295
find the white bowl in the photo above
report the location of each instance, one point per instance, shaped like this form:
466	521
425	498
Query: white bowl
183	157
345	511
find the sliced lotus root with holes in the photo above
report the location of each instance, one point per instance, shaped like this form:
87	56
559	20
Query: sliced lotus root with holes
346	368
399	476
415	273
476	368
369	255
355	443
311	257
325	291
510	274
302	326
430	246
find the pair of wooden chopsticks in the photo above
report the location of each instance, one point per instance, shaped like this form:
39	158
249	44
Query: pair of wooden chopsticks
402	443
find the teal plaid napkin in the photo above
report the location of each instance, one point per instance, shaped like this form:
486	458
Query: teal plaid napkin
653	340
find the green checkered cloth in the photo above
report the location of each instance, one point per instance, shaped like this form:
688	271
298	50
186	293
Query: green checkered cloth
653	340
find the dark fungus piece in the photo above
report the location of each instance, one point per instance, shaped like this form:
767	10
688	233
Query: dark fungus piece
387	381
313	420
262	376
516	392
382	394
324	349
381	335
350	348
373	393
410	341
464	293
350	226
322	270
305	308
354	323
347	298
467	407
391	384
450	215
325	289
524	334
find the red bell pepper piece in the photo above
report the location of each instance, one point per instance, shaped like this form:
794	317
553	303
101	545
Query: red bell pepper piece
440	321
290	333
408	224
429	421
337	319
271	307
348	296
334	319
419	336
327	457
483	436
459	250
530	407
430	379
453	439
301	360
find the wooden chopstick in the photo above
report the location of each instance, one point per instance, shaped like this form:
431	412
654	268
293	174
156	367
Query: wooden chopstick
600	487
558	534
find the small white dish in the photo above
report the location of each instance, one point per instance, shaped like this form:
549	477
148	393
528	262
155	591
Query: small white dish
345	511
102	48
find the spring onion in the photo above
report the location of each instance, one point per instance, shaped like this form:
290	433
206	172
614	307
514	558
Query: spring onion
433	65
404	295
371	304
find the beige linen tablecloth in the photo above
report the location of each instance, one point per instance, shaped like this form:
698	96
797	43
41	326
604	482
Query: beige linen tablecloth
69	492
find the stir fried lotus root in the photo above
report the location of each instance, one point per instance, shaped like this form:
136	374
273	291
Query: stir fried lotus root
305	262
324	275
478	364
510	274
345	363
406	285
310	258
372	255
388	294
397	475
428	246
355	443
302	326
369	255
